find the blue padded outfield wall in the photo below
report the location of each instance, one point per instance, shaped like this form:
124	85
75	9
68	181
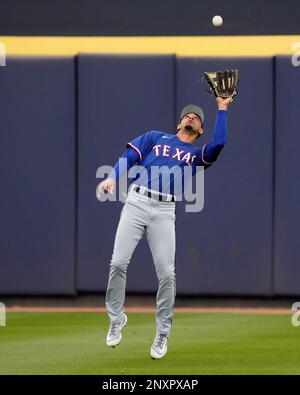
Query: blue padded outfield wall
37	145
287	182
63	117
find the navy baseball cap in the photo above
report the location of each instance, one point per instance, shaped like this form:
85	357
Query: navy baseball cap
192	108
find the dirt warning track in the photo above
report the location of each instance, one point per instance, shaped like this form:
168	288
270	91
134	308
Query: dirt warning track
142	309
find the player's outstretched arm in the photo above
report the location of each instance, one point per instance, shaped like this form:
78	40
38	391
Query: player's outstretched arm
211	151
108	185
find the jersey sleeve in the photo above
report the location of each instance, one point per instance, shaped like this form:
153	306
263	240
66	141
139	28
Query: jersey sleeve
143	143
198	161
118	171
210	152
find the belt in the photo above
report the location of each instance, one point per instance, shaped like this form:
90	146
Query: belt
156	195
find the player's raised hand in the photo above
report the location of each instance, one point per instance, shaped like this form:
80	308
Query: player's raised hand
106	186
223	103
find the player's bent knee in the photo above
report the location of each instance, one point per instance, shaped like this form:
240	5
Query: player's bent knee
119	264
167	276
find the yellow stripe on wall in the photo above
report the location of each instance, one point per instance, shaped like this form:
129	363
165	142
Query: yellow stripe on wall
181	45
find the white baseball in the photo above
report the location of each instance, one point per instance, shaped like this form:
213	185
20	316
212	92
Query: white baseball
217	20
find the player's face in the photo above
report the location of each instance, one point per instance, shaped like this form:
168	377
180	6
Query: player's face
191	122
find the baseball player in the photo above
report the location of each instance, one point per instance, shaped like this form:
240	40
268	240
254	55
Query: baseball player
150	209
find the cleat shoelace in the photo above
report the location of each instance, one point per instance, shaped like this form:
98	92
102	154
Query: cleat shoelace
113	329
161	340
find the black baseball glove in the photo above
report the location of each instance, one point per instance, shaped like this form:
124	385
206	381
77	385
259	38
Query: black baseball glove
222	83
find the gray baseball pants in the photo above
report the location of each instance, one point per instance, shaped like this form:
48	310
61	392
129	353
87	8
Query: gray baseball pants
139	214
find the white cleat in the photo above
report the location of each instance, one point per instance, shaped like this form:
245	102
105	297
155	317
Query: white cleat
114	335
159	347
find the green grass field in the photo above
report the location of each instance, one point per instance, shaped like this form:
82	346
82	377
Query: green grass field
212	343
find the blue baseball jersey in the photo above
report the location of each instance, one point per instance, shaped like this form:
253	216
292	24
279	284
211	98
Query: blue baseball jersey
162	157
